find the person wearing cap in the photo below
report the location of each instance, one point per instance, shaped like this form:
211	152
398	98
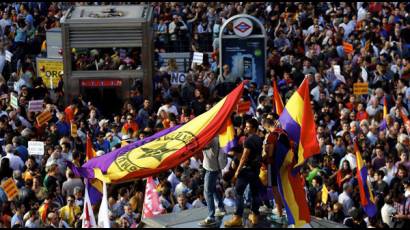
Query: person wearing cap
113	139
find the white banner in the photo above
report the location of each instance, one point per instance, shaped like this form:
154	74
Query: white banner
36	148
178	78
9	55
35	106
198	58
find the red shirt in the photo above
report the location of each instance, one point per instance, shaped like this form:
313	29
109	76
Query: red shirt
69	114
362	115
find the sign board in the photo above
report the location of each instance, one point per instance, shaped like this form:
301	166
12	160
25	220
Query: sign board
360	88
13	101
242	27
245	50
178	78
73	130
9	55
245	58
100	83
49	69
35	106
43	118
10	188
36	148
243	107
198	58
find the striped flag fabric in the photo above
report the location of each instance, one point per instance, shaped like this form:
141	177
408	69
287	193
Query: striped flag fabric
277	99
291	186
152	206
103	217
88	219
298	121
243	107
163	152
89	150
227	139
347	47
366	194
43	211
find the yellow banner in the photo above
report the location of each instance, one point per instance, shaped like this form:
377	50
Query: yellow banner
360	88
10	189
49	70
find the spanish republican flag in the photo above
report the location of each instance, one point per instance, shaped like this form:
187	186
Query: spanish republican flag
298	121
277	99
291	185
89	151
366	193
227	139
164	152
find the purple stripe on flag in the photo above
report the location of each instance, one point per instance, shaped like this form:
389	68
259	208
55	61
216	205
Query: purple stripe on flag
370	207
290	125
229	146
280	156
383	125
94	194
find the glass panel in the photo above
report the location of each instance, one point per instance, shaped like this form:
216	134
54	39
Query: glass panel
99	59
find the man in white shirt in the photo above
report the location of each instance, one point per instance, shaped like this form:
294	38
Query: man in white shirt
168	107
16	163
344	198
387	211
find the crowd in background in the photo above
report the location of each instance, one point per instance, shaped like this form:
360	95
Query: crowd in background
305	40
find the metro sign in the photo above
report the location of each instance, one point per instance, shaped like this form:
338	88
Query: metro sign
242	27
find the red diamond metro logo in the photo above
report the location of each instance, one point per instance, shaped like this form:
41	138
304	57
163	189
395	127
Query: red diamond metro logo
242	27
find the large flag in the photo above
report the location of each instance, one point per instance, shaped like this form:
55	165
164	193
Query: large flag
227	139
366	193
88	219
103	218
95	186
152	206
164	152
277	99
298	121
89	150
291	186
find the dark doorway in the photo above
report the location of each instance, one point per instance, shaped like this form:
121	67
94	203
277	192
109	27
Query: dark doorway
106	99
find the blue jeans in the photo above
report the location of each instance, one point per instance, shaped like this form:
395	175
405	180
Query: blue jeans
245	177
211	194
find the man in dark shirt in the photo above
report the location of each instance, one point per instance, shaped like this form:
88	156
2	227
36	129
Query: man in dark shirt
248	173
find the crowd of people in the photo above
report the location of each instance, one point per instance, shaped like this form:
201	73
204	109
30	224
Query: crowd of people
305	40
